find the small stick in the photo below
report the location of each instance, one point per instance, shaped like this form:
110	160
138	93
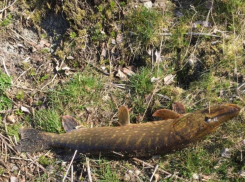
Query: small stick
161	170
49	82
5	68
72	173
154	172
7	6
23	74
69	166
88	169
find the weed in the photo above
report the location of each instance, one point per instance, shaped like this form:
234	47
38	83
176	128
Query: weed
141	86
45	51
106	173
45	161
20	95
5	82
76	93
19	112
48	120
2	171
143	25
13	130
73	35
6	21
5	102
43	77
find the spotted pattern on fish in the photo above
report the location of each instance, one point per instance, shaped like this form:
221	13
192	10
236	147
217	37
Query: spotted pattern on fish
144	139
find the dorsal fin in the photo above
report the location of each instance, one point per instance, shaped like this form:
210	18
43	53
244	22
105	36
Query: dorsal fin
123	116
166	114
69	123
178	107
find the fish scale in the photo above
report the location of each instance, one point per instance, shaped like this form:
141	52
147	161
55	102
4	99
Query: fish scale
145	139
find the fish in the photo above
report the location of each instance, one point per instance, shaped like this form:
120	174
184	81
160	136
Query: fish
133	140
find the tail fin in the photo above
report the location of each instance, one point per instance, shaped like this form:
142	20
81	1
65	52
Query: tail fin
32	140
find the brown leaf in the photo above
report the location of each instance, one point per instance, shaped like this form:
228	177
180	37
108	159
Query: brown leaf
169	79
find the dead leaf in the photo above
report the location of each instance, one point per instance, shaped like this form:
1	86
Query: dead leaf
10	119
25	109
121	75
128	72
169	79
153	79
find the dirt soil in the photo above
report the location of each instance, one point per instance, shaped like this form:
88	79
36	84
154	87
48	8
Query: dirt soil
39	50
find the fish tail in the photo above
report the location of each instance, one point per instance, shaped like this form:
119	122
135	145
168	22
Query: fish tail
33	140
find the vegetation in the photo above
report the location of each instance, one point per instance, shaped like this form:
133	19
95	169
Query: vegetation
74	64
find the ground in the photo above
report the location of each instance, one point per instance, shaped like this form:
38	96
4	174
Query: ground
87	58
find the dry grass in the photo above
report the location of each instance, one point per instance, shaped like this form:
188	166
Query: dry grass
63	66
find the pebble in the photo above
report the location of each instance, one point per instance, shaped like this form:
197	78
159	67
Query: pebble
148	4
195	176
226	153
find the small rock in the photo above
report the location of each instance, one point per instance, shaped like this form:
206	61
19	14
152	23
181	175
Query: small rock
226	153
169	79
13	179
148	4
243	141
14	168
154	79
156	177
195	176
126	177
25	109
242	173
70	57
10	119
137	172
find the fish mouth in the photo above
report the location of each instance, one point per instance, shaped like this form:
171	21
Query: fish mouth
221	113
233	108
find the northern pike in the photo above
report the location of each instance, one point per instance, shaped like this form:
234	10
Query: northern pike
141	140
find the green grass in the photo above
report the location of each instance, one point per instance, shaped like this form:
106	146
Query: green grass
106	172
48	120
81	91
143	26
85	92
5	82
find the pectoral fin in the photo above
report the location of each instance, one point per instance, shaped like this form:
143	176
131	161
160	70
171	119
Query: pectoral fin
69	123
178	107
123	116
166	114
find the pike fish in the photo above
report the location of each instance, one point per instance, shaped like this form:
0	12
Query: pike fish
140	140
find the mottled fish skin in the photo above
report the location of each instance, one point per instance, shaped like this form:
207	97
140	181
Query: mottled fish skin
140	140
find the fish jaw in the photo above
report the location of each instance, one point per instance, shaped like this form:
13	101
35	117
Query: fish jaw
217	115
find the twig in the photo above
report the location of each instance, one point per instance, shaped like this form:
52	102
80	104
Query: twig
72	173
22	74
149	165
69	166
160	170
49	82
193	33
5	68
153	93
154	172
88	169
8	6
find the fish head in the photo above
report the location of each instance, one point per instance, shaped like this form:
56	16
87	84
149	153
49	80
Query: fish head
196	125
215	116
